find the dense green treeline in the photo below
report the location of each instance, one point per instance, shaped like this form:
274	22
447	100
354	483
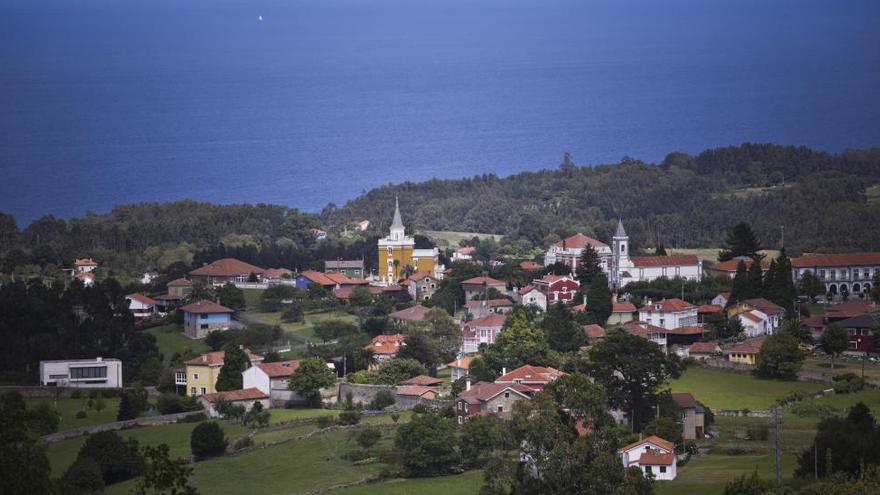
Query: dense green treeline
686	201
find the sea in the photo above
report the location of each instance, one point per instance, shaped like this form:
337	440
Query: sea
311	102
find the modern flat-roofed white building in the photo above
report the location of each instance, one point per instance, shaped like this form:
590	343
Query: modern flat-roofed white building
83	373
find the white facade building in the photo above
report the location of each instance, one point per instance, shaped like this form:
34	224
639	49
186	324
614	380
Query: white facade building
669	313
850	273
82	373
755	323
532	296
653	455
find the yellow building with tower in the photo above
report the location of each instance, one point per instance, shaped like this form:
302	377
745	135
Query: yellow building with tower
398	254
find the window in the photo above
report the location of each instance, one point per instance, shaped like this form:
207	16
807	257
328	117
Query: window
203	326
466	407
192	391
648	470
203	316
662	469
204	391
865	331
506	395
500	408
459	420
853	345
459	406
195	376
88	372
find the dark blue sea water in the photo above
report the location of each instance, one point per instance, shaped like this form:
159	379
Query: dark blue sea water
111	101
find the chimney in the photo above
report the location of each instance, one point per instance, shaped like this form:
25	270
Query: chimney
503	371
204	358
99	359
467	384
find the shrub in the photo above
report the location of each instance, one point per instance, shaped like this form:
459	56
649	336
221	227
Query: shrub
43	419
81	414
90	403
349	417
367	437
207	440
108	393
173	403
77	394
93	394
326	421
383	399
813	410
243	443
118	459
421	408
84	476
195	418
848	383
395	417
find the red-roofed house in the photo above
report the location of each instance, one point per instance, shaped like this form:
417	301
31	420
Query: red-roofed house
653	455
415	313
721	299
558	288
270	376
423	381
422	285
84	265
245	397
773	312
854	271
650	268
669	313
277	274
385	347
728	268
459	368
480	286
532	296
463	254
745	352
179	288
480	331
534	377
707	311
655	334
141	306
200	375
704	350
480	308
225	270
417	392
530	266
489	398
203	317
594	332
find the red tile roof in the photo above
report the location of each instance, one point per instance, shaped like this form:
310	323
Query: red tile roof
837	259
483	280
709	309
752	346
670	260
594	331
216	358
549	279
179	282
318	277
531	265
226	267
387	344
730	266
750	315
415	313
423	381
204	306
525	290
466	250
279	369
492	303
687	330
653	439
142	299
651	458
529	374
415	391
345	292
236	395
642	329
85	262
667	306
684	400
703	348
490	320
623	307
276	272
580	241
849	309
767	307
483	391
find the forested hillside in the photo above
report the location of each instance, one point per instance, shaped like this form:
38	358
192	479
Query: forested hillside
686	201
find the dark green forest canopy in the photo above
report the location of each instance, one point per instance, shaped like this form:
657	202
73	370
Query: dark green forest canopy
820	198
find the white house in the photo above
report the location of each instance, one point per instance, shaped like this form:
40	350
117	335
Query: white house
669	313
270	377
82	373
480	331
141	306
653	455
463	254
721	299
755	323
851	273
532	296
568	251
459	368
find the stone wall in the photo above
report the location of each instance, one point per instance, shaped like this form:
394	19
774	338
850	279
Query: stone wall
37	391
117	425
362	393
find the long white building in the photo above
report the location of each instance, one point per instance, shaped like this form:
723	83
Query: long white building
82	373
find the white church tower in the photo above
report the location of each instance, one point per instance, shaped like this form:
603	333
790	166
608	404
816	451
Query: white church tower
619	255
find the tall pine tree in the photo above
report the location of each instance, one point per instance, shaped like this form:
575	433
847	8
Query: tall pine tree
599	304
756	278
588	267
742	286
741	241
234	362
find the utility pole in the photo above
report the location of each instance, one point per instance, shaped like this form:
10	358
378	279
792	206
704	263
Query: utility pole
778	446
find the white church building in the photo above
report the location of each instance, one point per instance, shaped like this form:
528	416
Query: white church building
616	262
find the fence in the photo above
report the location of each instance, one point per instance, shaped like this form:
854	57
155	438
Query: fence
117	425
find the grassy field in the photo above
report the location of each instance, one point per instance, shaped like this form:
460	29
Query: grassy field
822	364
728	390
170	339
176	435
464	484
708	474
305	329
68	408
446	238
873	194
252	298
